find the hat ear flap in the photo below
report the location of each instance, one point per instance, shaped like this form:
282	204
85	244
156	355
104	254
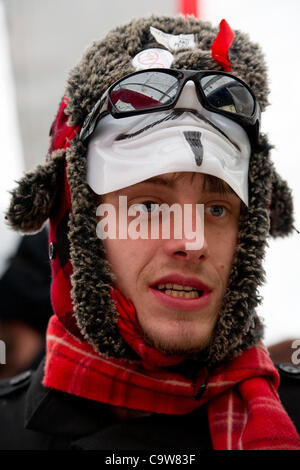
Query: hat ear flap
281	208
34	197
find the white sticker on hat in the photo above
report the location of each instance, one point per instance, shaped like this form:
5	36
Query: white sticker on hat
153	58
173	42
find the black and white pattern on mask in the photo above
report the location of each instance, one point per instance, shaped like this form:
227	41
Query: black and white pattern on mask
194	140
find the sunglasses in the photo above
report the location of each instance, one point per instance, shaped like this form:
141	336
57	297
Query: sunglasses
156	90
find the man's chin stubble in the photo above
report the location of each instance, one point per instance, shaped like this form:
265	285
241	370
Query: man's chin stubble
169	349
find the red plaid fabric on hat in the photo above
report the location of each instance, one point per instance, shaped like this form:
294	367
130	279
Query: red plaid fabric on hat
61	136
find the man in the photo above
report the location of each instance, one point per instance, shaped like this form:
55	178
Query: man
155	343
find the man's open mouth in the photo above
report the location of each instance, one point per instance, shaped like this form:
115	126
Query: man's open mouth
179	292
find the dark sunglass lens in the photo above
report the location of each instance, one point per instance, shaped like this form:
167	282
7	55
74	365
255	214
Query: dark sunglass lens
144	91
227	94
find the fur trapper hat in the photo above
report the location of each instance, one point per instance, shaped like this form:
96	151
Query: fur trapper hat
58	190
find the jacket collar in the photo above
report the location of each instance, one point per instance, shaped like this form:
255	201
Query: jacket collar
90	425
53	412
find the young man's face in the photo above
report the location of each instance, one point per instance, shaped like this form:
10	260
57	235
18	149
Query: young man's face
177	292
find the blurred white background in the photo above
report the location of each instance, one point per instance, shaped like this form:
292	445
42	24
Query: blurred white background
41	41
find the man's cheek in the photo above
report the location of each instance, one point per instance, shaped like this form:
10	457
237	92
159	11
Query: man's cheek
122	256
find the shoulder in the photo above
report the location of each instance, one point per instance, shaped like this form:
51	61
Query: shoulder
13	392
289	390
15	385
12	404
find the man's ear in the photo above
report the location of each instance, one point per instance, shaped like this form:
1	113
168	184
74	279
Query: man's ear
34	197
281	208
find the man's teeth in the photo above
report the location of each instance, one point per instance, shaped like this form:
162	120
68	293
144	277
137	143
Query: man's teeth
176	287
177	290
182	294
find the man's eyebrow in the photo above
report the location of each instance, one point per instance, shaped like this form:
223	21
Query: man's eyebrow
159	180
210	184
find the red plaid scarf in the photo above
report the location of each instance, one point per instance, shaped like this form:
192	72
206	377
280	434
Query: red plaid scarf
244	409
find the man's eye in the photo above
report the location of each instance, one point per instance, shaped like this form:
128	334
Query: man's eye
147	206
216	211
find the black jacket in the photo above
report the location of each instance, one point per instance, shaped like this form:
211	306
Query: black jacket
33	417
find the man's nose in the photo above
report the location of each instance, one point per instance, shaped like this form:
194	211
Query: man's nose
177	249
189	243
188	98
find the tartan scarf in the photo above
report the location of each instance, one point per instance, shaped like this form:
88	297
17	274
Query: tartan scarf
244	410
